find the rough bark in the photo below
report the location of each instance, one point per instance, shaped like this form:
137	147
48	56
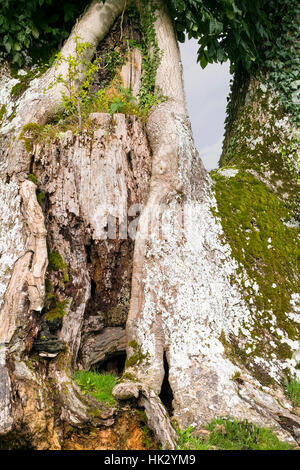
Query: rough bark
96	348
29	270
183	299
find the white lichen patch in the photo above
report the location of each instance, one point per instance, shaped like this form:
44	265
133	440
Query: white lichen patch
190	301
294	314
11	118
228	172
292	223
6	85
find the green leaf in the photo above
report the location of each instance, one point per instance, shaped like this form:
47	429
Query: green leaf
215	26
230	14
35	32
203	60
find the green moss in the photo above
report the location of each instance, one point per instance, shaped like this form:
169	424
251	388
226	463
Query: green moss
253	218
12	115
18	89
264	147
283	350
127	377
2	113
58	311
133	344
94	413
138	357
40	197
29	134
30	364
32	127
262	375
24	81
48	286
55	309
228	349
132	360
56	263
292	388
32	178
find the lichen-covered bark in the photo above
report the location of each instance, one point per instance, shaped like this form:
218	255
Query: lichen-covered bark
258	195
28	274
189	293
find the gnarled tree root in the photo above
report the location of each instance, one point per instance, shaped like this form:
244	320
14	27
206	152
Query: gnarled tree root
157	416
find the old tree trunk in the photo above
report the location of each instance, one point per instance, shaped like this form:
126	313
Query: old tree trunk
202	287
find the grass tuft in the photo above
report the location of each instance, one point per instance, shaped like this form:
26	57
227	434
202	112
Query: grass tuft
292	388
231	434
97	385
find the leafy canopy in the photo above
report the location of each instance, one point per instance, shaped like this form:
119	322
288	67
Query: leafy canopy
35	28
225	29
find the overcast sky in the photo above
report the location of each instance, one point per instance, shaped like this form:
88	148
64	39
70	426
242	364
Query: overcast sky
206	91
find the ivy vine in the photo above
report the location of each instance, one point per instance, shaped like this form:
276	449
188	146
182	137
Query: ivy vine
282	58
151	55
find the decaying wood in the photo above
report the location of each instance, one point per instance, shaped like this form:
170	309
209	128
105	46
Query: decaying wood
131	72
158	419
28	279
86	180
96	348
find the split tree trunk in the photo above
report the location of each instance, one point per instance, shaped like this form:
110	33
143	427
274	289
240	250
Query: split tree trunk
177	286
183	299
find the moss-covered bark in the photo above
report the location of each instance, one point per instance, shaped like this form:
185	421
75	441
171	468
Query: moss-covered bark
257	192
